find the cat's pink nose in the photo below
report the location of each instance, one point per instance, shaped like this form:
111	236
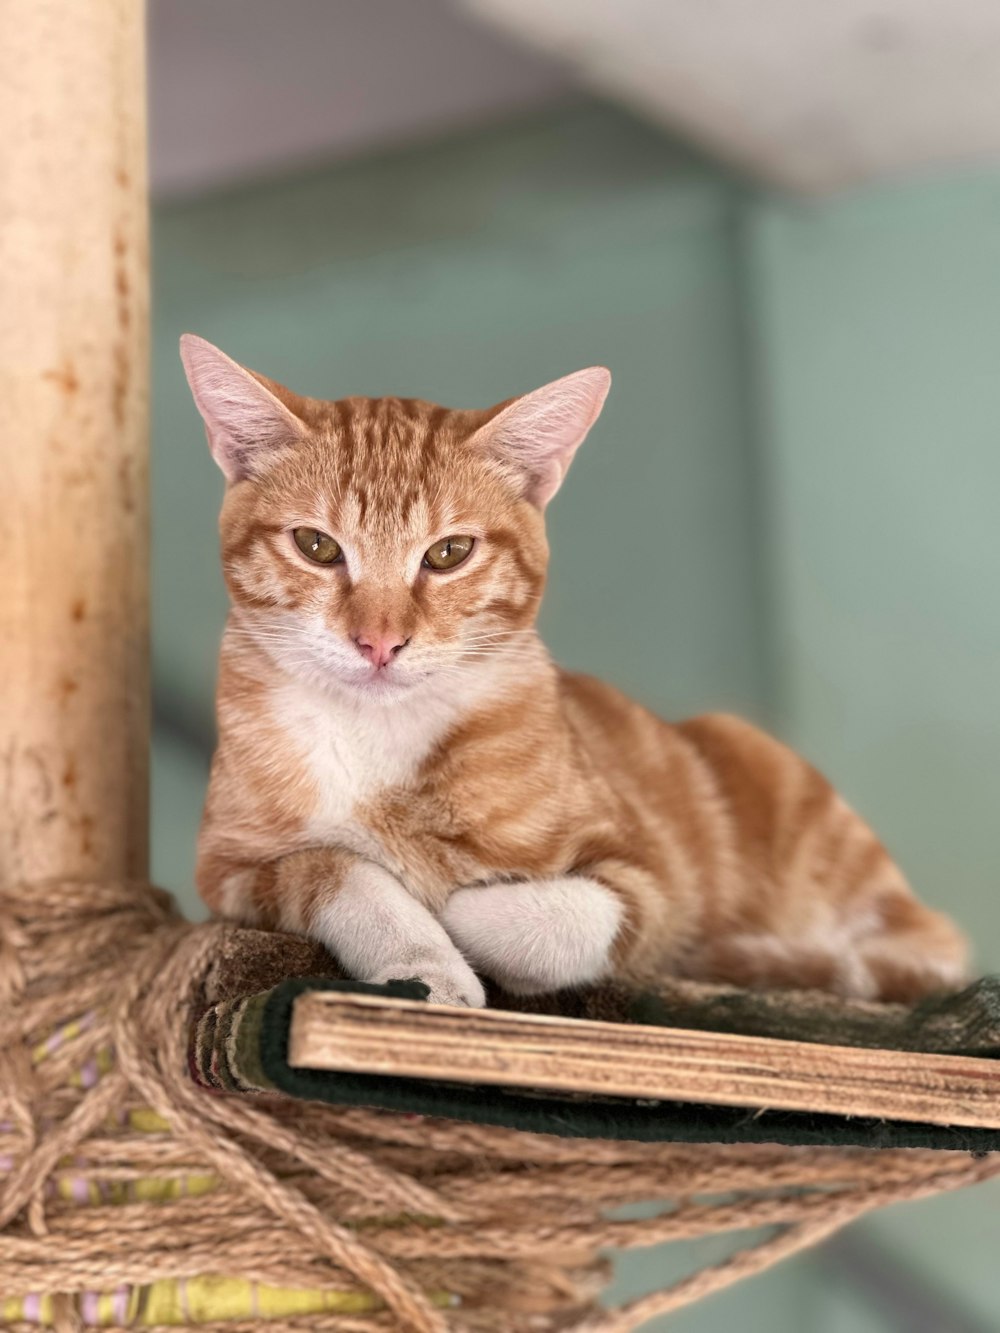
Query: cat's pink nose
379	649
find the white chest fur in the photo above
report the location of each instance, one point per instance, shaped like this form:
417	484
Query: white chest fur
353	749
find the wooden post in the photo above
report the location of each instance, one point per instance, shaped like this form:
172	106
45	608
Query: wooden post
74	706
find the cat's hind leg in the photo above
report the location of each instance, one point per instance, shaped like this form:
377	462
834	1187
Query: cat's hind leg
892	949
915	952
536	936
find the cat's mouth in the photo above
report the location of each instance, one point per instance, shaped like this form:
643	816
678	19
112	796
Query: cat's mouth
385	683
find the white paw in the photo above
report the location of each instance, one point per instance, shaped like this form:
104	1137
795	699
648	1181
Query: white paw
535	937
451	980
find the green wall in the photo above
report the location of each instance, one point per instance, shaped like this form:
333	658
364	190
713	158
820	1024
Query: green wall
878	323
875	324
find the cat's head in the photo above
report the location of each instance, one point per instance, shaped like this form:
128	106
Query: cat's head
376	543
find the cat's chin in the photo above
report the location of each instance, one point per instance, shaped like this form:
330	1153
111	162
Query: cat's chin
379	688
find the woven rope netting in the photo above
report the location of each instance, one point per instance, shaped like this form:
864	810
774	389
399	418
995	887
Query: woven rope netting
117	1172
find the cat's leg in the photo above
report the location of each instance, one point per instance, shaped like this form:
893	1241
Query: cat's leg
915	952
537	935
883	946
371	924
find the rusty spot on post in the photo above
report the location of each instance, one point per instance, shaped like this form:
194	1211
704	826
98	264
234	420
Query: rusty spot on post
65	378
125	485
123	313
119	382
86	834
66	687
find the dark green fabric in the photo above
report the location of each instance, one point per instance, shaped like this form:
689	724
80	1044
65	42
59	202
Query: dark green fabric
964	1022
577	1117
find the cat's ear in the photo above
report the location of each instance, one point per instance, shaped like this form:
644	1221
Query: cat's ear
535	437
244	420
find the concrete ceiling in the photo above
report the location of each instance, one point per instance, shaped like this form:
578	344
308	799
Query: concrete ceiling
816	95
245	88
813	94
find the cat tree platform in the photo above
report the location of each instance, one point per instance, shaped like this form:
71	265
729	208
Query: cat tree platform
686	1063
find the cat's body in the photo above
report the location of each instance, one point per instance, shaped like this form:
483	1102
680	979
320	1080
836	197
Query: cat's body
404	774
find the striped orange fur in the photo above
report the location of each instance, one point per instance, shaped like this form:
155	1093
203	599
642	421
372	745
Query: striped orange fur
404	774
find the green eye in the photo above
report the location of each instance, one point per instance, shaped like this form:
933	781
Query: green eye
317	546
448	553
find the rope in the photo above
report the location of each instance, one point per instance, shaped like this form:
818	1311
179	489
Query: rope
116	1171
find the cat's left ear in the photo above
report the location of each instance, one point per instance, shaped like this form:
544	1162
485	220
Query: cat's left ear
535	437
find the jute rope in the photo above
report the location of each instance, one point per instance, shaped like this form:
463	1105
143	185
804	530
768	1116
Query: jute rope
449	1226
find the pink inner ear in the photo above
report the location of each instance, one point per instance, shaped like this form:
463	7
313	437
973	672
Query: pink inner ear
243	420
538	434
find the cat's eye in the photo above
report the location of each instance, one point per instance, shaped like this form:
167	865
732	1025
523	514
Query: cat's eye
317	546
448	553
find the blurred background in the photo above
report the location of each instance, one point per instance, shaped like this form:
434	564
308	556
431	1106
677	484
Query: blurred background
779	225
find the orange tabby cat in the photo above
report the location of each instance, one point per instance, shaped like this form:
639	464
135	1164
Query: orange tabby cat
403	774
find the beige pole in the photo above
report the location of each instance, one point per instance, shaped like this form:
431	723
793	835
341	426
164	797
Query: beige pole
74	692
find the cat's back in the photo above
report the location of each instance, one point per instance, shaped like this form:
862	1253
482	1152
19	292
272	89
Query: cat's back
617	730
639	755
756	820
715	780
603	717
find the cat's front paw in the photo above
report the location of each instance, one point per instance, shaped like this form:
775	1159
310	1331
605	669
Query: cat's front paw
450	981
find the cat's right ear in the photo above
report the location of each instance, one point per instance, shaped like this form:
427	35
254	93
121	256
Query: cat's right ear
245	422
